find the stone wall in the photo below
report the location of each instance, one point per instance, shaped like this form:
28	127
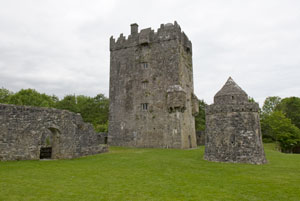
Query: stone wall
151	89
233	135
25	130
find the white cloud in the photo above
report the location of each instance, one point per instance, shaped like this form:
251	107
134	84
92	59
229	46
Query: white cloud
61	47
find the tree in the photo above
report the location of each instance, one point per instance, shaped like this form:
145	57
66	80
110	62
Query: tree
69	102
102	109
291	108
269	105
93	110
200	118
32	98
5	95
279	128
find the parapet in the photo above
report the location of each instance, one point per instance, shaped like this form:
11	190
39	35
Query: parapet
218	108
147	36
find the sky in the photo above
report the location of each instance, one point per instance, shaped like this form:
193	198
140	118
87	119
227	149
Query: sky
61	47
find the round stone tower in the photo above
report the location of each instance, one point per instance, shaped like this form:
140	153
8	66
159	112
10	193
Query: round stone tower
233	131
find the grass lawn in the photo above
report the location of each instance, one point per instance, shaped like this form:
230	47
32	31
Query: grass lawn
151	174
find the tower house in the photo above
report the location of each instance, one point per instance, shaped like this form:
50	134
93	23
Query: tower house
152	101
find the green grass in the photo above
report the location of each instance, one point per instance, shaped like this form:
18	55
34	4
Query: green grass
151	174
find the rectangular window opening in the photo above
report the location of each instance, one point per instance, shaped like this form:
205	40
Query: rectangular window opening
145	106
145	65
145	84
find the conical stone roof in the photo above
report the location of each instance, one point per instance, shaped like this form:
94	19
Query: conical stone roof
231	93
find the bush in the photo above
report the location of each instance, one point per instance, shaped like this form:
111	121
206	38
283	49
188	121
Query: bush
278	128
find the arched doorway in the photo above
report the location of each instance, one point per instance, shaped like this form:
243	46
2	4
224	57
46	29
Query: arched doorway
50	144
190	142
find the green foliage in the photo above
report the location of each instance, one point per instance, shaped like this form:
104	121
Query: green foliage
93	110
5	95
291	108
200	118
288	141
251	99
278	128
151	174
269	105
102	127
69	102
32	98
280	122
48	141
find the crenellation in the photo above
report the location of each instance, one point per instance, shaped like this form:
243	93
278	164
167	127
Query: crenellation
146	36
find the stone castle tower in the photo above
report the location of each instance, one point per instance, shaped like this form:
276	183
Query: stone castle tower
232	128
152	103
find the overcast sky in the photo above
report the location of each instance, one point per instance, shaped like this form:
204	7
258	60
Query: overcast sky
62	46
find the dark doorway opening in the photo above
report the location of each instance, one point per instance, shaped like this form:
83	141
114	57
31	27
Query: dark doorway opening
105	140
190	141
45	152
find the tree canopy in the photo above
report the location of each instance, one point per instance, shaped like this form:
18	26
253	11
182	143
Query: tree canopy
92	109
278	127
291	109
5	95
200	118
270	104
280	122
32	98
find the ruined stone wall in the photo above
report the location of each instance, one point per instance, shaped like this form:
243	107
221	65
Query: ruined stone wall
233	134
151	89
25	130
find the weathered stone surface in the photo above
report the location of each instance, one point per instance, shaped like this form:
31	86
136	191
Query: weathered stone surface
151	89
25	130
233	131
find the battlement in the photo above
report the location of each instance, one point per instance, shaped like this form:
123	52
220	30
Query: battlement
217	108
147	36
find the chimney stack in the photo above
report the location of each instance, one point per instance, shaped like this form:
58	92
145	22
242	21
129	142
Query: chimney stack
134	28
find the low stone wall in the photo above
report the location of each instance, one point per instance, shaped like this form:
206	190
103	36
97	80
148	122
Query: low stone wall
25	131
